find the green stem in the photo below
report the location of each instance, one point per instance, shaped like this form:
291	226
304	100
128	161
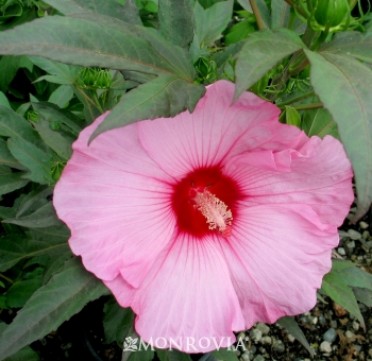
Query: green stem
256	11
308	106
295	99
6	278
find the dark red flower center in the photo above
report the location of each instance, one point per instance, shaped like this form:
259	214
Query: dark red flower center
205	201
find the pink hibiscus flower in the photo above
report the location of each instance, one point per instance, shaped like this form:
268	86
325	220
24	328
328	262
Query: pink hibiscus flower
209	222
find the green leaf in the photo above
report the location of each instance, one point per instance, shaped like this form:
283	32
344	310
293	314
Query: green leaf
176	21
319	122
127	12
262	7
62	96
211	22
16	248
291	325
10	182
26	354
225	355
111	44
174	355
292	116
117	322
36	160
64	295
20	291
343	85
59	119
164	96
43	217
6	157
55	140
58	73
352	275
14	126
4	100
364	296
261	52
351	43
280	14
336	288
9	66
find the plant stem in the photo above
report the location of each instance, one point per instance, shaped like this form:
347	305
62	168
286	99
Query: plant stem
6	278
295	99
256	11
308	106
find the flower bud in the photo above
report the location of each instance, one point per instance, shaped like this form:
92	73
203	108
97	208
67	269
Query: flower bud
332	15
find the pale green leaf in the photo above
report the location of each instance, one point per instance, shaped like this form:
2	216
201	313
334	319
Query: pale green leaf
6	158
55	140
351	43
292	116
127	12
164	96
64	295
58	73
43	217
62	96
280	14
319	122
17	248
14	126
10	182
343	84
117	322
211	22
111	44
36	160
290	324
174	355
176	21
26	354
260	53
336	288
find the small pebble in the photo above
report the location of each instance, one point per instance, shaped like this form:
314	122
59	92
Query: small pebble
365	235
363	225
265	329
330	335
341	251
266	340
259	358
278	346
333	324
325	347
350	245
354	235
349	334
356	325
291	338
256	335
246	356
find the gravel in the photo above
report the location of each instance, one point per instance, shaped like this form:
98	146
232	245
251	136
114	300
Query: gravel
331	331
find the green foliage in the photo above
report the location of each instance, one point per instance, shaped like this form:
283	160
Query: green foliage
144	59
62	296
342	285
343	85
290	324
260	53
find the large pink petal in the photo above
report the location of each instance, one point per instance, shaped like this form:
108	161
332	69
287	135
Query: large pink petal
189	298
277	258
318	174
218	128
116	202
